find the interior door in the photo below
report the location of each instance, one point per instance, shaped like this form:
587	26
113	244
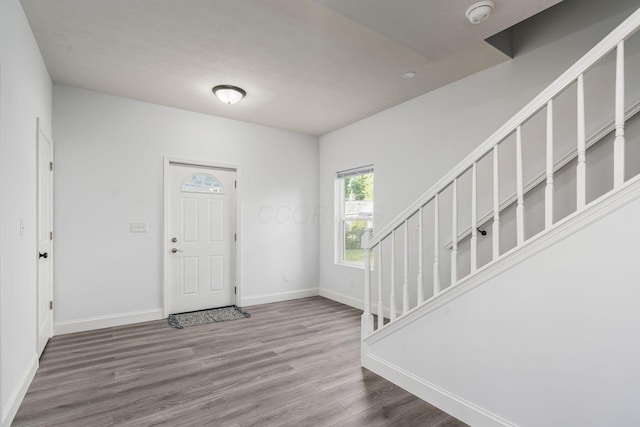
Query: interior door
45	239
201	233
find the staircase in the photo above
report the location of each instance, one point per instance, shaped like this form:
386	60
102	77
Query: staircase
520	317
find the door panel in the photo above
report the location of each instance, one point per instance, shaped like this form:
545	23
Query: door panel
216	222
217	273
190	275
201	209
190	219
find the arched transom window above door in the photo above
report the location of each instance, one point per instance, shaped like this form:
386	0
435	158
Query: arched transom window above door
202	183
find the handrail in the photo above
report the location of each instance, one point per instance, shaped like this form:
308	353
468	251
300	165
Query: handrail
604	47
541	177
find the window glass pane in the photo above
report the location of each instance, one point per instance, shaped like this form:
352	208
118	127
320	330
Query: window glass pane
356	192
353	231
358	196
202	183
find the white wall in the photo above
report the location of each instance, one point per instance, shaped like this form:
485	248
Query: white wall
25	93
109	166
413	144
550	342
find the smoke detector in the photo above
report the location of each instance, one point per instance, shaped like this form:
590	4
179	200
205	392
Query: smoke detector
479	12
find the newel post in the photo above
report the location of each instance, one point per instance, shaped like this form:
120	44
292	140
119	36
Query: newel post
367	317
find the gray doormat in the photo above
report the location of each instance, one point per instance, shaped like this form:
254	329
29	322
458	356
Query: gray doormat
203	317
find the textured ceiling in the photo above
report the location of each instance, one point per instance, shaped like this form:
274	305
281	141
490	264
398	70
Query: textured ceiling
307	65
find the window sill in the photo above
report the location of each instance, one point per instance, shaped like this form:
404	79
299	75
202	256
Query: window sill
348	264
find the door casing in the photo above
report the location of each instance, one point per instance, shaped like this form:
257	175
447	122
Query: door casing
166	245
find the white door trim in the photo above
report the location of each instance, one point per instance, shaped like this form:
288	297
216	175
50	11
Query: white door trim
41	134
167	161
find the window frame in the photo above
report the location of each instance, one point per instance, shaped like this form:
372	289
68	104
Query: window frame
340	216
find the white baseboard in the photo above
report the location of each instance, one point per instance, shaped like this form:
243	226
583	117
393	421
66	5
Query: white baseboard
354	302
448	402
91	323
342	298
14	402
280	296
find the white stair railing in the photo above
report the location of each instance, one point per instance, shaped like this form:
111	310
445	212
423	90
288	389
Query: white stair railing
545	100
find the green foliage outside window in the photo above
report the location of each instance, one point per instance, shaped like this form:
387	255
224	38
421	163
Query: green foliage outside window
353	234
357	215
360	186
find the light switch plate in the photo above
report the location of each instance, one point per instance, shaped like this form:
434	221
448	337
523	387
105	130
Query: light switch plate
138	227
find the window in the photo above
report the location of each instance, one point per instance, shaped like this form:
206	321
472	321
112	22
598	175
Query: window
202	183
354	192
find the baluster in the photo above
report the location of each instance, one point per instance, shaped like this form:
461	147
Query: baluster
420	292
618	144
496	205
380	304
474	218
405	283
519	189
392	296
548	191
454	234
367	317
581	171
436	246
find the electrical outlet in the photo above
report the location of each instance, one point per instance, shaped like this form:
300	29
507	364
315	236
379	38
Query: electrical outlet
285	277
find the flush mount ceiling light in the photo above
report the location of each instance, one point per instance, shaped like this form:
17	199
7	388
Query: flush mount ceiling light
229	94
479	12
408	75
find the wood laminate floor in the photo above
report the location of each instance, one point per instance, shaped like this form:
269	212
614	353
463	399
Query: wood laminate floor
294	363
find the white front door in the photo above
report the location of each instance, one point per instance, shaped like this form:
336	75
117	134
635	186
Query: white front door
45	237
202	233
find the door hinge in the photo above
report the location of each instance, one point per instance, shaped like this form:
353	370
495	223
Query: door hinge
235	237
235	290
51	235
235	184
50	305
50	166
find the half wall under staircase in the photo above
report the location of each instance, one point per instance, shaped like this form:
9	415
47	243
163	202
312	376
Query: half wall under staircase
534	324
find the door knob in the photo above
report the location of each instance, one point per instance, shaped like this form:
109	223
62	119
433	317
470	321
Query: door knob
43	255
174	250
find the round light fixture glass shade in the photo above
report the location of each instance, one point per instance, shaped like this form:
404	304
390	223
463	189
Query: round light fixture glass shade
479	12
229	94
